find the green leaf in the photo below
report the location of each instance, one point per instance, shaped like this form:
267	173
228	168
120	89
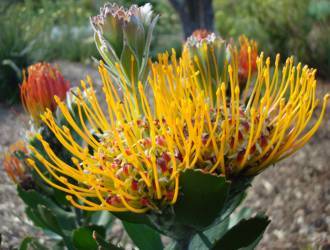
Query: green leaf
218	230
33	199
202	197
231	205
143	236
106	50
30	243
49	219
35	218
144	68
212	234
83	237
244	234
244	213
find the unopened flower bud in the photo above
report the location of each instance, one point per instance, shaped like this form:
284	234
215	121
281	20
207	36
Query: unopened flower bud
15	166
39	87
123	37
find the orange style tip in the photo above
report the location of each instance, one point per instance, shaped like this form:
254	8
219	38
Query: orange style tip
277	59
57	99
74	160
30	162
230	69
249	49
262	101
223	87
326	97
63	179
237	90
299	65
39	137
65	129
68	197
218	92
82	83
140	86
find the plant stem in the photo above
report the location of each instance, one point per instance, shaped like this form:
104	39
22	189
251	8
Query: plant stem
205	240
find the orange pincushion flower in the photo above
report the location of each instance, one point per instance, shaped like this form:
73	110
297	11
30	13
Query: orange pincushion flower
244	57
39	88
15	167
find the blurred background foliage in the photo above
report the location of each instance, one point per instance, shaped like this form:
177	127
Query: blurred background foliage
48	30
300	28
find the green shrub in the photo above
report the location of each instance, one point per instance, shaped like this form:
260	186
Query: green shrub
48	30
40	30
19	35
288	27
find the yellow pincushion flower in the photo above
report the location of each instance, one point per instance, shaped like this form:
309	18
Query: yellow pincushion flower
134	151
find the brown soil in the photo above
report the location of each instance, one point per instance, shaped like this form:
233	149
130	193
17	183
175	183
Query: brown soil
295	193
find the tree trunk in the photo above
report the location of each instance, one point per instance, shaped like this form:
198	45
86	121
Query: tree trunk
194	14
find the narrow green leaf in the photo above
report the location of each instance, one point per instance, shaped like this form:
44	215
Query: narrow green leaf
218	230
213	234
35	218
143	69
49	219
33	199
243	234
143	236
244	213
231	205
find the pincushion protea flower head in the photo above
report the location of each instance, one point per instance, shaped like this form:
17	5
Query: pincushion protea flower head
42	82
247	54
135	151
15	168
